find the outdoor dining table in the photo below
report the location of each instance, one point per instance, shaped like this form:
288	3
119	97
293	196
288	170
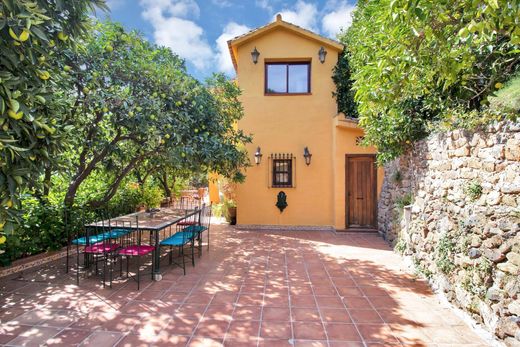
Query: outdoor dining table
154	222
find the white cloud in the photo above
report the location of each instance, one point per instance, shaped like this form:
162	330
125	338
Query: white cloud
172	29
114	4
338	19
264	4
231	30
222	3
304	14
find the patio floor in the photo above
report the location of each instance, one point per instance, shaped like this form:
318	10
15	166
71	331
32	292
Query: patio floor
252	289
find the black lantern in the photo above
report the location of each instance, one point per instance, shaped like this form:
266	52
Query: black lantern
307	156
322	53
254	55
258	156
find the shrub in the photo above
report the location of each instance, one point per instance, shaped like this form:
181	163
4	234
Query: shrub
473	190
418	63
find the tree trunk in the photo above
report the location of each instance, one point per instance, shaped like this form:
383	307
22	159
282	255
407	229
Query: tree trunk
164	183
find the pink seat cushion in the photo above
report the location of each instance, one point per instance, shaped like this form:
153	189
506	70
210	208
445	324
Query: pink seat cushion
186	222
101	247
137	250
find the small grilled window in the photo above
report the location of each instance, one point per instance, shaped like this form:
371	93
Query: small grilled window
282	172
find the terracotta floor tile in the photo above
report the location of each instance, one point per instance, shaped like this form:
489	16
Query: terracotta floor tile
197	341
243	329
308	331
68	337
310	343
250	299
247	313
335	315
329	302
35	336
276	314
307	301
365	316
297	280
212	328
357	302
275	343
276	330
342	332
306	314
380	333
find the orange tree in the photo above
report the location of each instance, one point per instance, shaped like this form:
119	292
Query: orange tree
32	35
132	103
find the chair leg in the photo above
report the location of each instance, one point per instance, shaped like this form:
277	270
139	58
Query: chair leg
171	255
193	252
183	260
127	266
77	265
138	272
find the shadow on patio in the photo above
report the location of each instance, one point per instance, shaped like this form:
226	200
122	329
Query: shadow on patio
252	288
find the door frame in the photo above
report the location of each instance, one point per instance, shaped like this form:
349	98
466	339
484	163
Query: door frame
374	182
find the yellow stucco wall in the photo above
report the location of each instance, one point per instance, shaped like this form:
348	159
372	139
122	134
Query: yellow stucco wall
287	124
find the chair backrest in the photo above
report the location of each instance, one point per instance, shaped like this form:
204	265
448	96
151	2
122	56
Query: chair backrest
205	216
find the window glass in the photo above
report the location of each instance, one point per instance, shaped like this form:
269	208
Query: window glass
276	78
282	173
287	78
299	78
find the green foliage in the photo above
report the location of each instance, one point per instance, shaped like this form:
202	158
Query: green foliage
474	279
397	177
402	201
418	63
420	269
473	190
507	99
400	246
344	93
33	34
151	196
444	255
134	105
217	210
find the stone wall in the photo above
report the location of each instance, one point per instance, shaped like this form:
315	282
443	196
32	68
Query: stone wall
461	227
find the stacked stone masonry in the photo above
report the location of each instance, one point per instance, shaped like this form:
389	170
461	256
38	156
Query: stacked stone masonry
462	227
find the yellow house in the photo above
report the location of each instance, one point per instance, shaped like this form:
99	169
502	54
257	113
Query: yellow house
308	170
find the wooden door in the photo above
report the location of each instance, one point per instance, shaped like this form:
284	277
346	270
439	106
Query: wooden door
361	186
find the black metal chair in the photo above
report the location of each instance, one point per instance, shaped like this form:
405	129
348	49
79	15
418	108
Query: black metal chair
134	247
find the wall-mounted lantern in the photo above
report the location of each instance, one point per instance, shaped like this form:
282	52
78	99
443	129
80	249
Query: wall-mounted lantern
322	54
254	55
258	156
307	156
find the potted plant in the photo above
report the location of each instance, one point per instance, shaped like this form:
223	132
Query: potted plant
230	211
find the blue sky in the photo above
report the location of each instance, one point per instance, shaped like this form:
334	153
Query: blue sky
198	30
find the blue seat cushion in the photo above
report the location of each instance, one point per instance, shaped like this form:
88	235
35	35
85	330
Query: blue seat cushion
196	229
116	233
112	234
178	239
91	239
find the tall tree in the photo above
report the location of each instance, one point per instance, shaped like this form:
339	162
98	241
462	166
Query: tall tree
32	35
133	104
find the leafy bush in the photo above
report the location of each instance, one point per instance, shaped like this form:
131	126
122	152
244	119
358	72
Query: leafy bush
344	93
41	230
151	196
473	190
418	63
444	257
403	201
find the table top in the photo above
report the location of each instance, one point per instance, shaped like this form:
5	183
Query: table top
156	221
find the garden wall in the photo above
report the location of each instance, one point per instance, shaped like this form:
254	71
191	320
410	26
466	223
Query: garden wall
462	223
